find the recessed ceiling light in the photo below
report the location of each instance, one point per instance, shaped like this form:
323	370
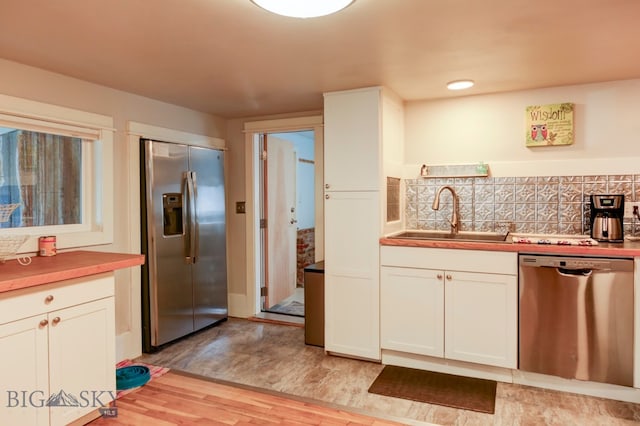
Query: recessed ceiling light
459	84
303	8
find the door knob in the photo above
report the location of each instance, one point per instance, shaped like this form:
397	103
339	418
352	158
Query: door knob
44	323
439	276
327	186
55	321
326	196
449	277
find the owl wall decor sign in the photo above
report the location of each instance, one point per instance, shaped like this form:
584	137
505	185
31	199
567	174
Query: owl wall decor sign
548	125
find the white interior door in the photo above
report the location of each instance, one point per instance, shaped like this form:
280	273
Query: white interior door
281	220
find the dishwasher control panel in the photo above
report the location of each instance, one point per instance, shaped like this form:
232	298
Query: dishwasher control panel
569	262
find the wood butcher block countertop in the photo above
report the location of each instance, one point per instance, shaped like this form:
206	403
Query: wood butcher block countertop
626	249
64	266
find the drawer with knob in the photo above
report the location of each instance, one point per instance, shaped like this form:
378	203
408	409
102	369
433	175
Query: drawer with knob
49	297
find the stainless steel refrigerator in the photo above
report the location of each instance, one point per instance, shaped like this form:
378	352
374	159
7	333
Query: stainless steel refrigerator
184	279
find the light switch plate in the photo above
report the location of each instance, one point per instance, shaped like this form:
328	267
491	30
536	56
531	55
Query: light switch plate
628	208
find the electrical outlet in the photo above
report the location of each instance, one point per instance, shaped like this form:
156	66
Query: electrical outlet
628	208
240	207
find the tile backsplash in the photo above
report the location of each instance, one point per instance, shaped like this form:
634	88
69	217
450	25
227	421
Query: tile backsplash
537	204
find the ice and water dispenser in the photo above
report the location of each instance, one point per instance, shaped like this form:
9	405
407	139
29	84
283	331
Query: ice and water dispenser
172	214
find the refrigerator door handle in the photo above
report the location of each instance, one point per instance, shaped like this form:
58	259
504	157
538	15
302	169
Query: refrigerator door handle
191	243
195	231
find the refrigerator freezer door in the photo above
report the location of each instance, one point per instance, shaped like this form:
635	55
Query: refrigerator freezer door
210	267
170	283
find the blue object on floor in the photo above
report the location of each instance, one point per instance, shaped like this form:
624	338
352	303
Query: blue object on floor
132	376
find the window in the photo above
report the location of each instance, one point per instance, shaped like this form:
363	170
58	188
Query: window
40	178
56	173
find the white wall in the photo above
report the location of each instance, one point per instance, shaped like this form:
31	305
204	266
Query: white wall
236	223
491	128
36	84
392	154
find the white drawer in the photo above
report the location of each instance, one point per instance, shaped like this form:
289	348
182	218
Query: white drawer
45	298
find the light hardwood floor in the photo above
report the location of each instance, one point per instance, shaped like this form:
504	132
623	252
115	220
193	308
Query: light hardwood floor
274	357
180	399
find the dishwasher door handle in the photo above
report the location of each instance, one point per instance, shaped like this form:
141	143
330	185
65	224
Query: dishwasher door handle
573	272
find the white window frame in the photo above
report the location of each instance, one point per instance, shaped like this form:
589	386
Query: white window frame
97	133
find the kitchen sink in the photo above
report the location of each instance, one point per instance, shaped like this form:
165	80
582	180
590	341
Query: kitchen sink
460	236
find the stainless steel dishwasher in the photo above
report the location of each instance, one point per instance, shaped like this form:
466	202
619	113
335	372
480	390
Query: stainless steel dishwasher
576	317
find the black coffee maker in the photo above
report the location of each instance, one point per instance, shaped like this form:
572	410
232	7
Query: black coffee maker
607	213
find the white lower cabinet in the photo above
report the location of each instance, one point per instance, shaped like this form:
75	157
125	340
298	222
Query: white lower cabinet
24	372
481	318
58	363
352	268
457	314
412	310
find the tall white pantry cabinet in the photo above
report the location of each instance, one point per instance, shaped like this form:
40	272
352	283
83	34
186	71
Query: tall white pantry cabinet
354	122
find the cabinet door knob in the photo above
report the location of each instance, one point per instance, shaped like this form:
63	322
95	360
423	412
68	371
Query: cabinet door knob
48	299
327	186
326	196
44	323
449	277
439	276
55	321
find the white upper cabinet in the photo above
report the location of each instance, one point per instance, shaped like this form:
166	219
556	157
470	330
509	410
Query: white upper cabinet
352	140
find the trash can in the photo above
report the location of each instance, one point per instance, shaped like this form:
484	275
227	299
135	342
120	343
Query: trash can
314	304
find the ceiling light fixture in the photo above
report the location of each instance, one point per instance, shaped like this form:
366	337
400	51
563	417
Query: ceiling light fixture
303	8
459	84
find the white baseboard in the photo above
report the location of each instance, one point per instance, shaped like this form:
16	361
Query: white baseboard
128	346
239	306
442	365
602	390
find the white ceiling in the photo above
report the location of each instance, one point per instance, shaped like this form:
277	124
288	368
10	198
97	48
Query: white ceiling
233	59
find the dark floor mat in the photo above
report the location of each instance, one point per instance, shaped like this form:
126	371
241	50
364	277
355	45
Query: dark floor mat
466	393
293	307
